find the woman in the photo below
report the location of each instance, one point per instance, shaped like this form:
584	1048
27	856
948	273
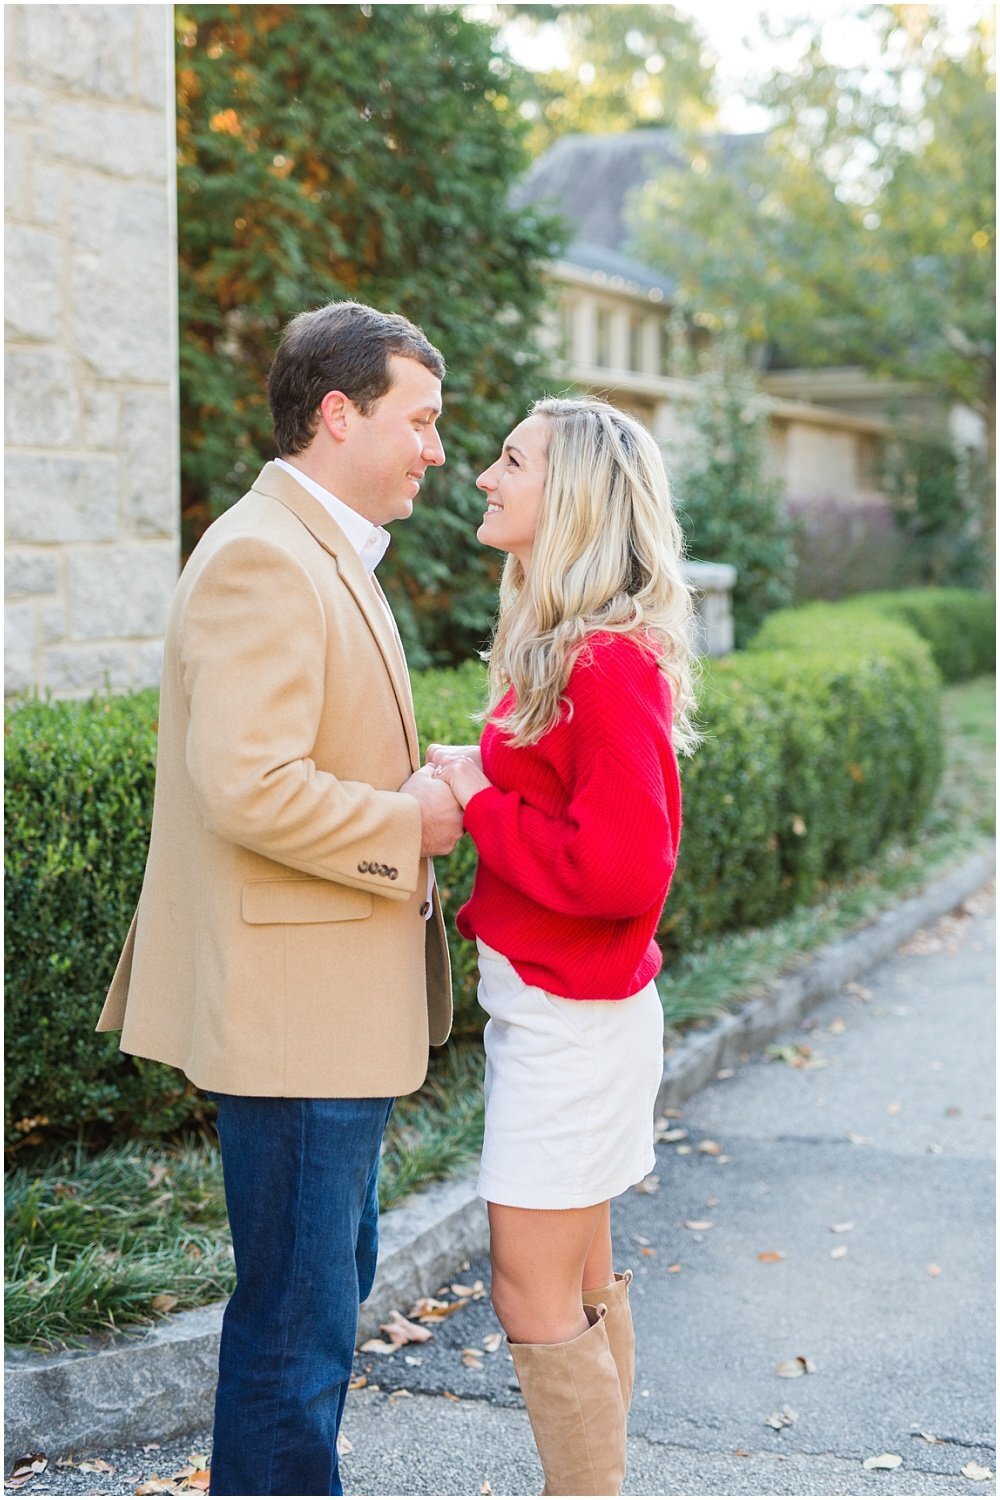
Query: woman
573	802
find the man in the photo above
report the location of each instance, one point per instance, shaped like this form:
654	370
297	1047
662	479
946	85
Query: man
288	951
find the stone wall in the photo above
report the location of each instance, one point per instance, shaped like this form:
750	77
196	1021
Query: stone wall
91	476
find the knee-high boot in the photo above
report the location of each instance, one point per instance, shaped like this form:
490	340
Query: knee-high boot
621	1335
575	1407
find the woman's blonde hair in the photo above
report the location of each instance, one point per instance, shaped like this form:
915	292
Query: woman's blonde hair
606	557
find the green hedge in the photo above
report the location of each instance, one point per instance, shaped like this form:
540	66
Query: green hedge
822	741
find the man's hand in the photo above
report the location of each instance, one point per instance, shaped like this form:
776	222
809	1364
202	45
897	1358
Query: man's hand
440	813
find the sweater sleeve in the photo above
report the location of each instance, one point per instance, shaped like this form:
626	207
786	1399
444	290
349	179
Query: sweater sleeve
612	853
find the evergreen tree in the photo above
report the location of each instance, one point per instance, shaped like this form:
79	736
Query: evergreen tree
363	151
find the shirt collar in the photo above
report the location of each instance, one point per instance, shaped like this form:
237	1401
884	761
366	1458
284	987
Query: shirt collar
369	542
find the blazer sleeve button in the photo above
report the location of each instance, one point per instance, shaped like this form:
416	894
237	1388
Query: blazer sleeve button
383	870
425	907
363	867
393	874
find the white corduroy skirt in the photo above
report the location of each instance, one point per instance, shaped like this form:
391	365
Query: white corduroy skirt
570	1091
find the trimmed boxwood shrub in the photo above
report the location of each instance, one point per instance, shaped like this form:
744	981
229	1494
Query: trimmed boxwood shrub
822	741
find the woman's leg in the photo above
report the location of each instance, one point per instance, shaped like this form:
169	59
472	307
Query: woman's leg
539	1256
560	1349
598	1268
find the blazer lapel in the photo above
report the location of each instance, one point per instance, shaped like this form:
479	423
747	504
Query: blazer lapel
278	485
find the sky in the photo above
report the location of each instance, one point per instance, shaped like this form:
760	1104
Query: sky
730	29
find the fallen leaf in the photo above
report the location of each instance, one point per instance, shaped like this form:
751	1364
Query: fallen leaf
979	1472
838	1252
165	1302
841	1228
201	1478
154	1485
883	1461
199	1460
650	1184
357	1384
672	1270
837	1026
668	1137
156	1176
464	1291
95	1466
927	1437
647	1251
450	1396
683	1150
783	1418
412	1359
401	1331
934	1270
709	1148
640	1239
699	1224
484	1488
721	1160
378	1346
150	1447
477	1353
668	1114
858	1140
790	1369
471	1363
492	1342
724	1073
430	1310
30	1464
769	1257
858	990
741	1453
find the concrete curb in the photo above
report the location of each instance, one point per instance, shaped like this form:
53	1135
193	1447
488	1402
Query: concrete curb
160	1383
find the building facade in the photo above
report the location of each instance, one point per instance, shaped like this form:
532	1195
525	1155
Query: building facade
92	470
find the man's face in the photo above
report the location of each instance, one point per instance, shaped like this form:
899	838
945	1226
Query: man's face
391	448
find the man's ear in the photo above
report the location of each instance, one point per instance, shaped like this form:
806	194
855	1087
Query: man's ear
335	412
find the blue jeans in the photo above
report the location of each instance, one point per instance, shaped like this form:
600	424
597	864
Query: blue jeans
301	1179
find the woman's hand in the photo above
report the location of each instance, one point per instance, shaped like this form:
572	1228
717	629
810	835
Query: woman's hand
443	755
464	774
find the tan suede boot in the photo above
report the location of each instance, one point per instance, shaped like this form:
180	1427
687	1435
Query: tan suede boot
575	1407
618	1322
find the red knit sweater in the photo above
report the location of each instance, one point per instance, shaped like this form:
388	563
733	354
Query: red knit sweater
578	834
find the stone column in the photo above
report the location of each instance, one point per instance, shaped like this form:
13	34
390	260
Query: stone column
92	470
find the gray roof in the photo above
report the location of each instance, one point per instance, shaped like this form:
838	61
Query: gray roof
587	179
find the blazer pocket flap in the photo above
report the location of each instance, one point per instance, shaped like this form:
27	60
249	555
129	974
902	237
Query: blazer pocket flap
303	901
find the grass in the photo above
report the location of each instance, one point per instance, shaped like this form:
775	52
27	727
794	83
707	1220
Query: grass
104	1242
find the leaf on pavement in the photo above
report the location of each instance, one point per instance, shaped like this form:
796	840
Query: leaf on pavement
783	1418
471	1362
200	1480
927	1437
95	1466
378	1346
858	1140
475	1291
492	1342
972	1470
344	1445
769	1257
165	1302
933	1270
676	1133
883	1461
650	1184
672	1270
841	1228
358	1383
709	1148
699	1224
400	1330
838	1252
790	1369
484	1488
431	1310
30	1465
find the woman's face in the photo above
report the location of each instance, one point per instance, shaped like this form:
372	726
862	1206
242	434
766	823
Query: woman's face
513	487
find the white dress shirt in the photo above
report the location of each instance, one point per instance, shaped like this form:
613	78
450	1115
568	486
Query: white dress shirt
370	543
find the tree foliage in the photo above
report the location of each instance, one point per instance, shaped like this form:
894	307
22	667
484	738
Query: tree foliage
628	66
330	151
731	508
860	229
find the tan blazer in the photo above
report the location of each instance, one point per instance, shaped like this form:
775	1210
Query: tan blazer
279	946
